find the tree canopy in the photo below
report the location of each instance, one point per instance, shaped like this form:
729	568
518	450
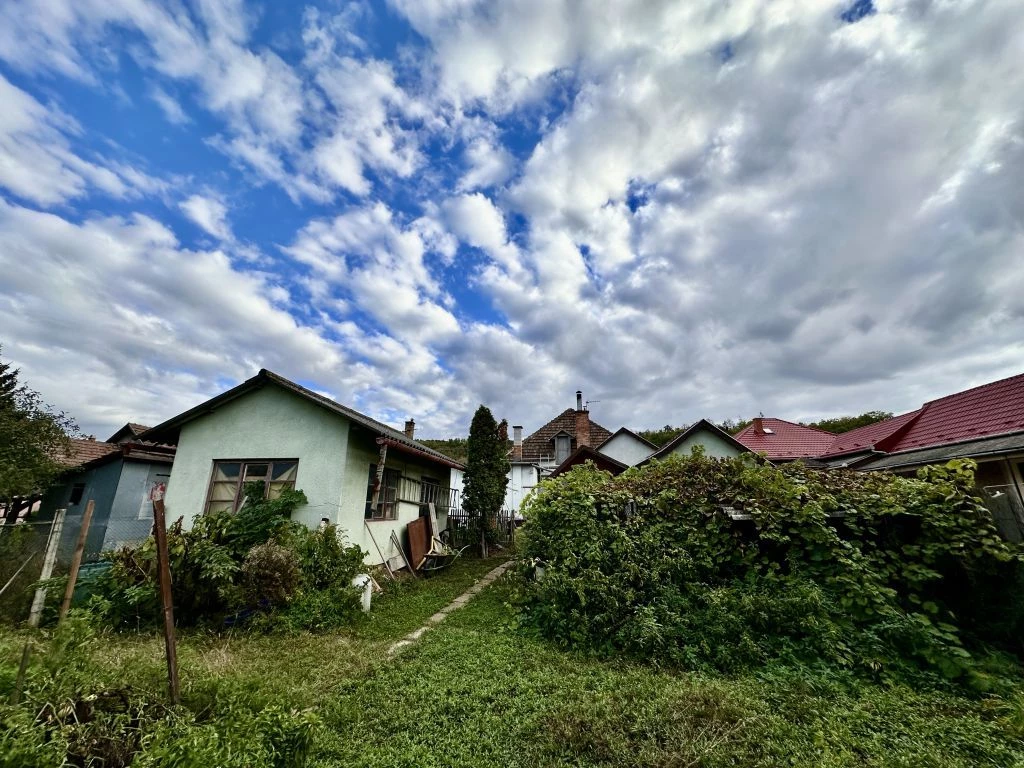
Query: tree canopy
486	465
33	437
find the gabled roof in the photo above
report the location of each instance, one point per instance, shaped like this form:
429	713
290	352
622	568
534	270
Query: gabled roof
539	445
627	432
786	440
168	430
83	450
872	436
585	453
702	425
128	431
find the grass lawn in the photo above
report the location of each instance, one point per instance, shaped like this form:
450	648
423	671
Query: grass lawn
476	692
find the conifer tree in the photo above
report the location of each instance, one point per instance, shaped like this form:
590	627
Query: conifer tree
486	471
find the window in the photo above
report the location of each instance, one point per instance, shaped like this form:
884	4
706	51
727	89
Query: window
230	477
387	498
561	448
77	492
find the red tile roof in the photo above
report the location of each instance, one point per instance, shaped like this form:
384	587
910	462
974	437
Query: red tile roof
787	440
866	438
541	444
84	449
991	409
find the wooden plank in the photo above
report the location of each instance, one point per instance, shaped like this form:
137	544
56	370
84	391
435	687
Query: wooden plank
52	545
76	561
166	598
418	541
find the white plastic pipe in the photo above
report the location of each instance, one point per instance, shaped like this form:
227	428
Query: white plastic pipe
365	583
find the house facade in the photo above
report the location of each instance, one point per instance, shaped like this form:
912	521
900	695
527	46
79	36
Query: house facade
713	441
119	478
540	453
627	447
357	473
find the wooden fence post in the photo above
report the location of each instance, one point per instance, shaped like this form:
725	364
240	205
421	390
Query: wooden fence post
52	545
76	561
166	597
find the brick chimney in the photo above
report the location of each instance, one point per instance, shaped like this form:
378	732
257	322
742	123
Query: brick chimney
582	422
410	429
758	426
517	443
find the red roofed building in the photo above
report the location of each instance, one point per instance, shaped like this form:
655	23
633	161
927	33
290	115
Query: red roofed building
781	440
985	423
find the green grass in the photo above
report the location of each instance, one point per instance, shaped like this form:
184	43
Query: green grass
474	691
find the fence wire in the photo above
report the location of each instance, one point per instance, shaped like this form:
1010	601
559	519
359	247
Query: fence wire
23	553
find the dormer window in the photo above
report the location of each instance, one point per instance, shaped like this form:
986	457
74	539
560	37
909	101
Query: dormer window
561	447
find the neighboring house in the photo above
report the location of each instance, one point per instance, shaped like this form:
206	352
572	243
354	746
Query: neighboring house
273	430
117	476
542	452
715	442
781	441
627	447
985	423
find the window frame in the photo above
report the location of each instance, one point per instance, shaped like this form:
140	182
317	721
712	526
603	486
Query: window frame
77	489
568	446
387	499
241	481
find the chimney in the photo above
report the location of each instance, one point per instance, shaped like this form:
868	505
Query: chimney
758	426
410	429
582	422
92	438
517	443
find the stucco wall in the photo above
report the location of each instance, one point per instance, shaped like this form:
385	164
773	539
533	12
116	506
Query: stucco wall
362	452
626	449
269	423
521	480
714	445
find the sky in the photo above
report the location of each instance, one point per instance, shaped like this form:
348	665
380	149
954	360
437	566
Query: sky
799	208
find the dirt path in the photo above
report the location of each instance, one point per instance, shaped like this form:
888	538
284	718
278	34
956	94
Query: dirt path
488	579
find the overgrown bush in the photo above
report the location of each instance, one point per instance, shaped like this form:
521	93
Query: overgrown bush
73	713
234	567
727	563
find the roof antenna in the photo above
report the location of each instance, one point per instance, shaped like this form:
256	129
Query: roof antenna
591	401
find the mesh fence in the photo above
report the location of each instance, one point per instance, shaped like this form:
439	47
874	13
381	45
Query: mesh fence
23	547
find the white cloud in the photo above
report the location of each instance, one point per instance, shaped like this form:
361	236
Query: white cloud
169	105
210	214
37	163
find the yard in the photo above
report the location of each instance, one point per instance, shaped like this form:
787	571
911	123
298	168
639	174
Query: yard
476	692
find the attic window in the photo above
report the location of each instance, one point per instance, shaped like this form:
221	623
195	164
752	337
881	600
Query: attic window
561	448
769	431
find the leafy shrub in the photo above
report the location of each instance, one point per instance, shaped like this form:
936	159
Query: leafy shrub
229	563
270	574
728	563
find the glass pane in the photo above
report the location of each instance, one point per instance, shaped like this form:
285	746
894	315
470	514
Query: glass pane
223	491
274	489
285	470
220	506
226	470
256	471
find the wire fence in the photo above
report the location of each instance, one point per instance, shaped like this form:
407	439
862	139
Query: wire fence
23	548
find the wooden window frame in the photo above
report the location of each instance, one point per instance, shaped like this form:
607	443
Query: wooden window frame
387	503
240	482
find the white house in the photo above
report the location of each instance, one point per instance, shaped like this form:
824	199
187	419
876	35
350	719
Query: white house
627	447
273	430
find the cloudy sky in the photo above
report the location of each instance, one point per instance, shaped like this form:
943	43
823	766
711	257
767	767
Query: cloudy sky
685	209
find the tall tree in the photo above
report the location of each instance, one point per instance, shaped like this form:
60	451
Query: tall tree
486	470
33	438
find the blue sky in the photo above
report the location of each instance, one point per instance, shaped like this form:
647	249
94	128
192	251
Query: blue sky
687	210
